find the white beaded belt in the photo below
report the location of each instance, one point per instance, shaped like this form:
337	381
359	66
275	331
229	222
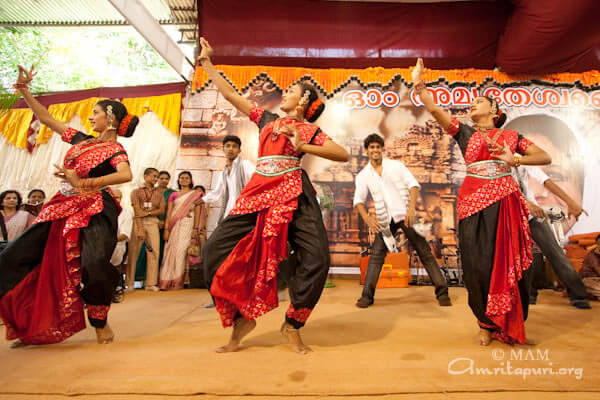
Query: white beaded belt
276	165
67	190
488	169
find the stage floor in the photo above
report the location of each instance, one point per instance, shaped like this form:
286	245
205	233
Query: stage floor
403	347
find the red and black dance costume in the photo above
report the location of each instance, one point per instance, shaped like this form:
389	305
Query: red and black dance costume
63	259
494	237
277	206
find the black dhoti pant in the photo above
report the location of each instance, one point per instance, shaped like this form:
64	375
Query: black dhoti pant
307	236
99	278
418	242
477	241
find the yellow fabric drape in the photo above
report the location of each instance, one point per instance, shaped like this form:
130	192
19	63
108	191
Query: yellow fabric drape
65	112
15	123
14	126
331	79
167	108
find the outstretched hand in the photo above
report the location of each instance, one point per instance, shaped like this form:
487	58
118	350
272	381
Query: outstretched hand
503	153
69	175
575	211
25	77
536	210
292	133
372	223
206	52
500	152
417	71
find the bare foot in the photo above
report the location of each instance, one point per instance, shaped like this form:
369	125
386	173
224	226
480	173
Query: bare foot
17	343
530	342
293	337
485	337
105	335
241	327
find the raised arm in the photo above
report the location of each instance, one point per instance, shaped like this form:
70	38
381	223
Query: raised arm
122	175
38	109
329	150
441	116
533	155
224	87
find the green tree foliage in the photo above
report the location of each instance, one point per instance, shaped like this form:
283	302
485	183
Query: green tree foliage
81	58
21	48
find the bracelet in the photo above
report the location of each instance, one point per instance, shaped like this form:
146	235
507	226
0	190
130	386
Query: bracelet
90	184
516	161
419	87
20	86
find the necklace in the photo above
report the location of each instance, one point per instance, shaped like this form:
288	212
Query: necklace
483	129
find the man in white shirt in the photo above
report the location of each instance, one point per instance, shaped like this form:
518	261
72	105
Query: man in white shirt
544	237
125	223
394	191
234	177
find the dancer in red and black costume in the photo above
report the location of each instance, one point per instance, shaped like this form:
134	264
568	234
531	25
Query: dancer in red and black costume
494	237
63	260
278	205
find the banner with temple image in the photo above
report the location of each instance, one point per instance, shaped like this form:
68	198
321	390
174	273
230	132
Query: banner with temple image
560	113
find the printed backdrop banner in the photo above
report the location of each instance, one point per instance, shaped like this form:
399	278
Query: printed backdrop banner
560	113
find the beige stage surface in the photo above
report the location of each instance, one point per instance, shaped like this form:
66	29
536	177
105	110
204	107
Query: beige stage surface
403	347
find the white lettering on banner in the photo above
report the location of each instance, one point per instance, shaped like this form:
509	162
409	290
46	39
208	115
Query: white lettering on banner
463	96
373	98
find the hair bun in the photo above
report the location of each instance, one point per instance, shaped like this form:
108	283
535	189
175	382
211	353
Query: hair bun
127	125
314	111
315	106
499	119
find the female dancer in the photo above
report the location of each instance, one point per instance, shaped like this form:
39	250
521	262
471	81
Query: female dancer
495	242
184	218
278	204
63	259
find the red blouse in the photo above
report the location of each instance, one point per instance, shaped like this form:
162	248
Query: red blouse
87	156
90	153
477	193
267	191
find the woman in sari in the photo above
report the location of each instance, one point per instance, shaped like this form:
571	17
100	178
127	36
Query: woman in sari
184	220
63	260
241	258
16	220
494	237
35	202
